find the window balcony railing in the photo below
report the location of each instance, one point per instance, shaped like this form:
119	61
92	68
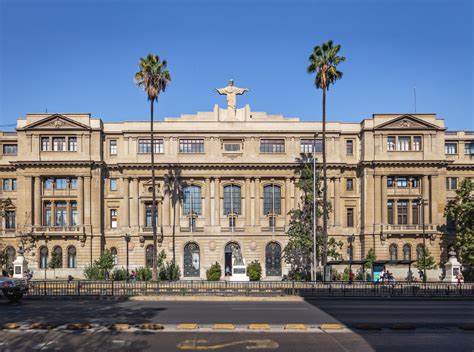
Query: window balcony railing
57	229
273	229
408	227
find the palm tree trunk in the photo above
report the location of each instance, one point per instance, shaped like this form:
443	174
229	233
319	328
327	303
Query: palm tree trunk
153	199
325	194
174	237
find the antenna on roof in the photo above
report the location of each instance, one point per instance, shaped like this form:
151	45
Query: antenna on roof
414	96
46	110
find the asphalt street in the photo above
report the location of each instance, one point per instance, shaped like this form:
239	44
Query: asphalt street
430	325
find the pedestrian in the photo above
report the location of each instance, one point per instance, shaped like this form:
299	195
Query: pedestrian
69	279
133	276
351	277
106	275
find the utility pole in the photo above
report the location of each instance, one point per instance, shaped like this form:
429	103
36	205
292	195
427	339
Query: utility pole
422	204
315	247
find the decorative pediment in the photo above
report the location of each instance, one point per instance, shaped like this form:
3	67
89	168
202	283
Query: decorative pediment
57	122
407	122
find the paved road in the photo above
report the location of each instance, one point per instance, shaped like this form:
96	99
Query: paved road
441	318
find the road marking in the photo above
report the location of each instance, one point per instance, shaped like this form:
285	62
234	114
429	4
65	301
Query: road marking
259	326
296	327
223	327
331	326
202	345
187	326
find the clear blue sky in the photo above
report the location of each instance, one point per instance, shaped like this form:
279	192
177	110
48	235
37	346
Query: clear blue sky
80	56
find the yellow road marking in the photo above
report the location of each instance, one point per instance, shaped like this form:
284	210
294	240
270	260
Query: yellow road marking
120	326
295	327
223	326
331	326
200	345
188	326
259	326
11	326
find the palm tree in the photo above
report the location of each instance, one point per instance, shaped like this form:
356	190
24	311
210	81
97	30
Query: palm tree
153	78
174	189
323	62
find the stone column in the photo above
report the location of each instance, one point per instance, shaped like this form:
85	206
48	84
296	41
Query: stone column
87	200
96	192
212	202
287	200
378	199
208	208
217	200
426	196
53	213
247	202
337	198
166	209
257	202
252	202
80	201
134	213
125	216
384	199
37	201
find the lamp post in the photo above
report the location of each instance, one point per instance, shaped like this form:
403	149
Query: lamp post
351	252
422	204
127	240
315	247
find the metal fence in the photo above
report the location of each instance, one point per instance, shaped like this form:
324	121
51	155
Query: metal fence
257	288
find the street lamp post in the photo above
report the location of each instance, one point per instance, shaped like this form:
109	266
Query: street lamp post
422	204
351	253
315	247
127	240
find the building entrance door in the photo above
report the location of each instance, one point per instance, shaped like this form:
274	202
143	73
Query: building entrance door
232	256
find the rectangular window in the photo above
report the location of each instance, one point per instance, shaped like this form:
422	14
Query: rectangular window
47	214
73	182
232	146
272	146
390	212
415	182
350	217
72	144
113	218
59	144
9	184
61	214
469	148
113	184
144	146
48	183
44	143
10	219
403	143
402	210
113	147
451	148
61	183
191	145
349	147
148	215
415	213
74	214
417	143
10	149
391	143
451	183
389	182
402	182
306	146
349	184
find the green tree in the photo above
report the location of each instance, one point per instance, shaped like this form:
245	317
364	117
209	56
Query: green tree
254	271
153	78
426	261
214	272
174	187
299	250
56	262
461	211
323	62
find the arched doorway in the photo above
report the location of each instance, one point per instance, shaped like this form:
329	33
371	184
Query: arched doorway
191	263
11	255
273	259
233	256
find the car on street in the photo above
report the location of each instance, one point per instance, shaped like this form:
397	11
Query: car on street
13	289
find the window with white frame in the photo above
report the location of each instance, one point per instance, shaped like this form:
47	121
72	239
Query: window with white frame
144	146
469	148
307	146
113	184
113	147
191	145
450	148
272	146
113	218
451	183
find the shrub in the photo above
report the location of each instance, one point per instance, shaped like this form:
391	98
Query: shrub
143	274
254	271
120	274
299	275
169	272
214	272
93	272
97	270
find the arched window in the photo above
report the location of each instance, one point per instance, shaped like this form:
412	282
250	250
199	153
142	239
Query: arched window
393	250
58	253
406	252
273	259
149	256
192	200
191	260
232	200
71	257
114	253
232	256
272	199
43	257
420	250
11	254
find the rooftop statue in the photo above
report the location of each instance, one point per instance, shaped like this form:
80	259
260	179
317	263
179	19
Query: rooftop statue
231	91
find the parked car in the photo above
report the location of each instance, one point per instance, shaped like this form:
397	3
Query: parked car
13	289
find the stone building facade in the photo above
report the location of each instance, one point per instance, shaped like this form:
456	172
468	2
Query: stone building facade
80	185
